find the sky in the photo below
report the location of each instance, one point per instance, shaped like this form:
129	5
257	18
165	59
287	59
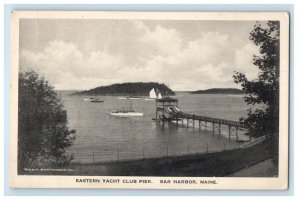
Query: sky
185	55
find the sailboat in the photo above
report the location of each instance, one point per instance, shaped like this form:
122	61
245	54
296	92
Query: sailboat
152	95
127	113
159	95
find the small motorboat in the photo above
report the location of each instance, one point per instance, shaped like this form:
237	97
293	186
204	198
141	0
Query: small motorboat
96	101
89	99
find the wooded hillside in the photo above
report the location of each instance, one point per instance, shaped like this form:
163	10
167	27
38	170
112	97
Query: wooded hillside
128	89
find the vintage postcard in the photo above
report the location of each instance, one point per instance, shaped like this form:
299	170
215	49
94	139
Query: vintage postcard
149	100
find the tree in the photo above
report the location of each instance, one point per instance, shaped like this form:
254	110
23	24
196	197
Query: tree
43	134
265	89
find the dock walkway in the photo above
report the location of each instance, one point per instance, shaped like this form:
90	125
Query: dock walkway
175	113
167	110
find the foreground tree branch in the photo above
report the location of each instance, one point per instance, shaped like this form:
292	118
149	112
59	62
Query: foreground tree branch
265	89
43	134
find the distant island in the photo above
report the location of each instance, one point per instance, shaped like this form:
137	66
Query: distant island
128	89
219	91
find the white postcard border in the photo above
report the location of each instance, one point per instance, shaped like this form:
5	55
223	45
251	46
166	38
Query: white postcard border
36	181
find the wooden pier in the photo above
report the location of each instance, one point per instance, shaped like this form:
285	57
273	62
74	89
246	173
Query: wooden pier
167	110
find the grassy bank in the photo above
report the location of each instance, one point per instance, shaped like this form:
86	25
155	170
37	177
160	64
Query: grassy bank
265	168
217	164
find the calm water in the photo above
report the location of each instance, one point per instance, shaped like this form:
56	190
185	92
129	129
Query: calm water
111	138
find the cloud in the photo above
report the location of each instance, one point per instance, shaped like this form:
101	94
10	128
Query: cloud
66	67
203	63
154	54
164	41
243	60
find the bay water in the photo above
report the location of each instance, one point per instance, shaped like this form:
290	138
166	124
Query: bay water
101	137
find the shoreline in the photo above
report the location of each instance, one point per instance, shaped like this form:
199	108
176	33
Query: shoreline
218	164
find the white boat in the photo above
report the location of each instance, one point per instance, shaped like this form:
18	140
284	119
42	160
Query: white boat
127	113
122	97
129	97
148	99
89	99
159	96
152	94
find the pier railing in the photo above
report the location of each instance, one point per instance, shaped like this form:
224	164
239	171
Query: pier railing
183	115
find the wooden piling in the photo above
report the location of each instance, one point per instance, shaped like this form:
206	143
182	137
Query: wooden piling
193	121
161	110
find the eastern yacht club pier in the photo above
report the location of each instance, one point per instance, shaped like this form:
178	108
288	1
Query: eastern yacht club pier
167	111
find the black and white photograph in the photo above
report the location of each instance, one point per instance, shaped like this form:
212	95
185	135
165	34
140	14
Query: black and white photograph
149	100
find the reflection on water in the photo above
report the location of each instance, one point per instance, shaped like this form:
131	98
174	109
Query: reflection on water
102	137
